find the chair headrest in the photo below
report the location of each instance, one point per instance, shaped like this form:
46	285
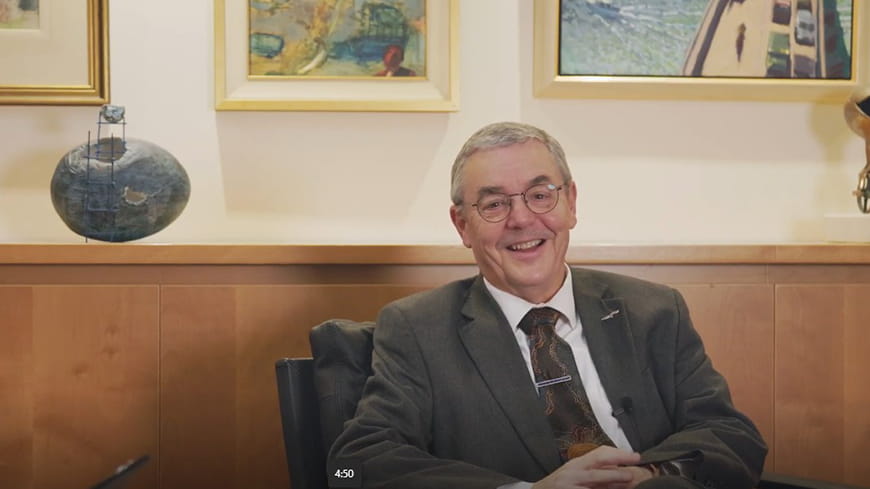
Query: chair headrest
342	351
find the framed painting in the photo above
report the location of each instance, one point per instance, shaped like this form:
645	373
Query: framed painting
54	52
336	55
800	50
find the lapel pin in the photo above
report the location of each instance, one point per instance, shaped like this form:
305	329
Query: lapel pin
610	315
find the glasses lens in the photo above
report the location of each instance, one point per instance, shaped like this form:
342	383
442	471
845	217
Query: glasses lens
542	198
493	207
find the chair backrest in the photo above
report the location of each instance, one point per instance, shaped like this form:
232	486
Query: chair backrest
342	352
300	419
316	396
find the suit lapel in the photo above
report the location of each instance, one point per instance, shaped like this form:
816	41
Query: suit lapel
493	348
607	332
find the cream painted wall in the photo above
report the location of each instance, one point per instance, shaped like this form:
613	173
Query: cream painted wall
649	171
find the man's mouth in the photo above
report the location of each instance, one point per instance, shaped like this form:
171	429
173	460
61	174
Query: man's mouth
527	245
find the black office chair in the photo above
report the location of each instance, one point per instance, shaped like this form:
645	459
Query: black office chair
312	421
300	418
342	357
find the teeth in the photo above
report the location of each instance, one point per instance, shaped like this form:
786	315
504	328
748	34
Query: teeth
527	245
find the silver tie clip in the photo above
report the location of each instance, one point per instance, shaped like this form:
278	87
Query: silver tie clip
549	382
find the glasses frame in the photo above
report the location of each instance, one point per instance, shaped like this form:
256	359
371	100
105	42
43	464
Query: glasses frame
509	198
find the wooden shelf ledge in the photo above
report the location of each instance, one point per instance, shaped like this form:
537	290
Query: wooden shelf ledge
278	254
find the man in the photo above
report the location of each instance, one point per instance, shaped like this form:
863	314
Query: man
458	399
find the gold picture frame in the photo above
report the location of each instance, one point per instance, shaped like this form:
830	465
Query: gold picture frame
63	59
548	82
436	90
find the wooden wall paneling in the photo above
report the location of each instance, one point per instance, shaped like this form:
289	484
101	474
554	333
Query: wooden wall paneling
273	322
380	274
172	349
736	323
856	369
95	389
690	273
219	347
16	387
270	325
197	388
429	275
809	356
818	274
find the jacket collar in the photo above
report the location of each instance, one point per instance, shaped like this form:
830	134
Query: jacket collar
493	347
608	333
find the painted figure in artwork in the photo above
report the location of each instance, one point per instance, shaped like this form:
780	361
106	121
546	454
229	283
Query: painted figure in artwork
741	40
393	57
9	11
19	14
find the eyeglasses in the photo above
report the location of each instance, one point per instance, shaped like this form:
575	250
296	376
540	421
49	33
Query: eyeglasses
540	199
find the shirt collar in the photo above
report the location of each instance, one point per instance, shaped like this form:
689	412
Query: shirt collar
515	308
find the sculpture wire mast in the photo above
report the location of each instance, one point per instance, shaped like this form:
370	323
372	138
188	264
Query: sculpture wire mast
100	193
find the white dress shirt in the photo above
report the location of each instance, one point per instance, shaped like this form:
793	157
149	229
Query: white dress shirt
569	328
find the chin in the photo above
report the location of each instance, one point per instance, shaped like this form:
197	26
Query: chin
535	282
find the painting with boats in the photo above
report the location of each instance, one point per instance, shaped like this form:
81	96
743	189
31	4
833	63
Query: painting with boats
707	38
337	38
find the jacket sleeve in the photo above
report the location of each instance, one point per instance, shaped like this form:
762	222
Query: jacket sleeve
388	437
722	446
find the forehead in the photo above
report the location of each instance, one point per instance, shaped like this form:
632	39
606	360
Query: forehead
509	167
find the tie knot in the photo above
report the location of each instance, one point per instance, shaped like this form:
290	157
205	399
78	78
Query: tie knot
539	317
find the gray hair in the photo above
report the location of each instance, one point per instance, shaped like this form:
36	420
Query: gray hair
498	135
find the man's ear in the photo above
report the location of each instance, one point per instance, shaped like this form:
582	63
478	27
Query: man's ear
571	196
460	223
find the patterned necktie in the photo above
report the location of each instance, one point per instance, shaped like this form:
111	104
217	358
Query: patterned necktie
558	382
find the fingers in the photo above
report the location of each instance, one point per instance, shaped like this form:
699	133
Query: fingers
573	477
606	457
600	468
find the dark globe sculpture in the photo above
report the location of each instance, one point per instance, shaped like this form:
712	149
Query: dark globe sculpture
119	189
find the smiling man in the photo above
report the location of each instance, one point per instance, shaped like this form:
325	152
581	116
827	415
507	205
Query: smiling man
520	249
536	374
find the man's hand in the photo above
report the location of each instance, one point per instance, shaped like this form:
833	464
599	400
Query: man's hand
639	473
602	468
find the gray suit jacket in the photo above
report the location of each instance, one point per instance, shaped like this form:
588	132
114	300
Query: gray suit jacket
451	403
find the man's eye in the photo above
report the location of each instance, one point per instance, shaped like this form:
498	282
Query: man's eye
492	205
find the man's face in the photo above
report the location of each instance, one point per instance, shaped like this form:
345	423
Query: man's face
525	253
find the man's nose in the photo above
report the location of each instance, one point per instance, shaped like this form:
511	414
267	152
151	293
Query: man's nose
519	213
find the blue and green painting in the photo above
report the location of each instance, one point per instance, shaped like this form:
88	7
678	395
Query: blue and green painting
706	38
337	38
